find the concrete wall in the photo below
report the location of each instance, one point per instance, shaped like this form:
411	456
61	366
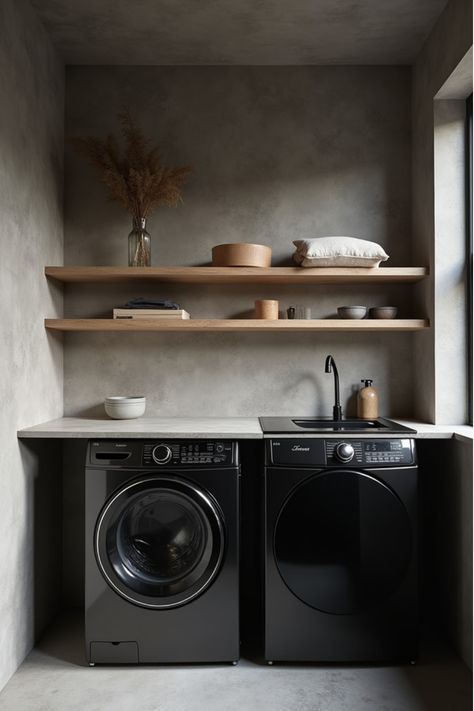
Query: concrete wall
31	148
449	41
278	154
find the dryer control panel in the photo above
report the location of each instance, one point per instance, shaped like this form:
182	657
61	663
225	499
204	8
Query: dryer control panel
335	452
367	452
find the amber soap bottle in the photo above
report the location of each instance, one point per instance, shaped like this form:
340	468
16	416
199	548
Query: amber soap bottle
367	401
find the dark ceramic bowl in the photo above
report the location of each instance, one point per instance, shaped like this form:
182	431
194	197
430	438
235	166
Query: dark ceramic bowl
383	312
352	312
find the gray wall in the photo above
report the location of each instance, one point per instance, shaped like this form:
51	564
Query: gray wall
278	154
449	41
31	147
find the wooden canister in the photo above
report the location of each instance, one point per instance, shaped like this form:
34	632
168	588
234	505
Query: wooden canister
267	309
241	254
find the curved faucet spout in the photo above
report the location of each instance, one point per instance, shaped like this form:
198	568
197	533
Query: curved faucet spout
330	367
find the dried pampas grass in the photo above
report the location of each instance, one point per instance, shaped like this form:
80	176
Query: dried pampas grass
135	177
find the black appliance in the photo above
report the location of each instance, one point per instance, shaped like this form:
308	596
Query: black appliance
162	538
340	555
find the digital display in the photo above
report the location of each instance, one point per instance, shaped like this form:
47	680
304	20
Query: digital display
383	446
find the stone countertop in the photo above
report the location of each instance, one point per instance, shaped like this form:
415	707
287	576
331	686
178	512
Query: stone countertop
143	427
202	428
427	431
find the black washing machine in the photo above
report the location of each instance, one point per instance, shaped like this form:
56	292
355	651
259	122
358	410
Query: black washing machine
162	539
340	554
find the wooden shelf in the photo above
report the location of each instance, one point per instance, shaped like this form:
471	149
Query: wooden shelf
177	325
236	275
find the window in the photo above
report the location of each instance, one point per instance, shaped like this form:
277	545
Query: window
469	258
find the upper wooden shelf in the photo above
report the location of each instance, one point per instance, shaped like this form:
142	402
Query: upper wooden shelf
186	325
237	275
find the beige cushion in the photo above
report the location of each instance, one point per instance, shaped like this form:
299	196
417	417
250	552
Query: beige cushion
338	252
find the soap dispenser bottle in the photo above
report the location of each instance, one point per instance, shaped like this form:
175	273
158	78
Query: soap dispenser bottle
367	401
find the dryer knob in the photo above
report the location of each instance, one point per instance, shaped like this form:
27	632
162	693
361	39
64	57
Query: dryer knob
344	452
162	454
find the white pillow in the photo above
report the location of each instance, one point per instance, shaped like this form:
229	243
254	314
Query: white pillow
338	252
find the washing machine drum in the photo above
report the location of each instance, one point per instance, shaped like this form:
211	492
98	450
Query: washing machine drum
343	542
159	541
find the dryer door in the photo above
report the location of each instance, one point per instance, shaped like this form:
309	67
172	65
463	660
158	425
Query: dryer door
159	541
342	541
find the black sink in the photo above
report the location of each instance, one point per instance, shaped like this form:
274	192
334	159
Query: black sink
307	425
326	424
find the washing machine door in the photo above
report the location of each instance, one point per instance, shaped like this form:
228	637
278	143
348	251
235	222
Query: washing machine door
159	541
342	541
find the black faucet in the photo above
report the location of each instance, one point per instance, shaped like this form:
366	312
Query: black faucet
328	368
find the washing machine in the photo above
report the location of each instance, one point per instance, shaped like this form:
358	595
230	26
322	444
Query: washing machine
340	556
162	551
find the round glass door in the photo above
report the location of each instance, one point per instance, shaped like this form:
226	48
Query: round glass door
342	542
159	541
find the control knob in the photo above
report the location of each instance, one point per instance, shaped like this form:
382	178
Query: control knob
344	452
162	454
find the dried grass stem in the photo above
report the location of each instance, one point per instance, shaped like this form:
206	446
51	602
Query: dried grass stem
135	177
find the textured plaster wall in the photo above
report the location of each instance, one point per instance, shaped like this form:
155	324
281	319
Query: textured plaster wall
31	149
278	154
449	41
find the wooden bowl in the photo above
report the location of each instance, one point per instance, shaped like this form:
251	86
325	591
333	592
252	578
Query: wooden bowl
241	254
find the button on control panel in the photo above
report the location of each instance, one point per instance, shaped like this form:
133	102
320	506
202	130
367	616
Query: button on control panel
177	453
367	452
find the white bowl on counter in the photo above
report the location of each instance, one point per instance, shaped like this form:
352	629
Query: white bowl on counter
120	407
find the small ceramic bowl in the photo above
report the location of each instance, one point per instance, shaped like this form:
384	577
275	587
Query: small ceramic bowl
383	312
125	408
352	311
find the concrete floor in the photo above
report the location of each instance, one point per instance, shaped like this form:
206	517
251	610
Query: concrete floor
54	678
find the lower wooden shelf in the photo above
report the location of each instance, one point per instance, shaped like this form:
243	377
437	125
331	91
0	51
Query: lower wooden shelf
108	324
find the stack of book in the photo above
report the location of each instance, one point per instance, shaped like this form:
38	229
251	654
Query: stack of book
151	313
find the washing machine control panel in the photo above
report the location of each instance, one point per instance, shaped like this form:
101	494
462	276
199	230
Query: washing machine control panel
158	454
365	452
180	453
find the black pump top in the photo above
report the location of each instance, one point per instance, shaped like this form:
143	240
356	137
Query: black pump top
367	383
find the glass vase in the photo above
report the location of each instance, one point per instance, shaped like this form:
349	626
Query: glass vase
139	244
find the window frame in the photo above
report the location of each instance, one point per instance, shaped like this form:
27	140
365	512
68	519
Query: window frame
469	256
